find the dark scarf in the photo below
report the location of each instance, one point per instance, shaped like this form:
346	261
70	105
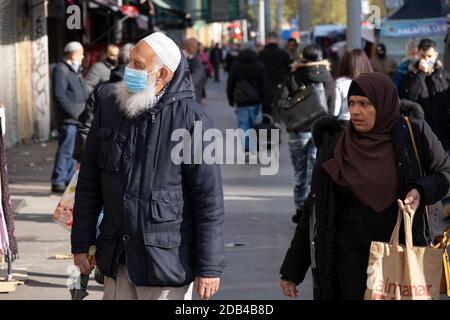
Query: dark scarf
365	162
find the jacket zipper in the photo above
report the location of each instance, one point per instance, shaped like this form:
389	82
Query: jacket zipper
155	159
312	230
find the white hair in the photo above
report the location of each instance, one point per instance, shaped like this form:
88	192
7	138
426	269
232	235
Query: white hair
412	44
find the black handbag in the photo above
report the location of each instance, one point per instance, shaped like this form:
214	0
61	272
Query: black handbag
299	106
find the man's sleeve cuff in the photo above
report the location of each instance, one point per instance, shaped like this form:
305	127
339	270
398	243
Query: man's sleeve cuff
78	250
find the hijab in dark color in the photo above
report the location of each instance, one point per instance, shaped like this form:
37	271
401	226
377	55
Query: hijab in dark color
365	162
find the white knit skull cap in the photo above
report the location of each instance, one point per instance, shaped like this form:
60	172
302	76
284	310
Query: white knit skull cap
165	48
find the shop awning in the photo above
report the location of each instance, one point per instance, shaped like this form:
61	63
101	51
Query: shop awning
420	9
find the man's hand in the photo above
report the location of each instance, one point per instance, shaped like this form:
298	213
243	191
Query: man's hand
289	288
411	202
206	287
81	260
424	66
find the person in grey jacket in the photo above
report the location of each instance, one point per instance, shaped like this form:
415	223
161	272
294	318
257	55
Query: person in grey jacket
69	96
162	231
101	71
198	72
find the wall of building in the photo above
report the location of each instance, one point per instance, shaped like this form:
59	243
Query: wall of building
23	73
8	69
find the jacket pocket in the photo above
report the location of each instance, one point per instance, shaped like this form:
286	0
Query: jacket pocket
166	206
163	239
110	149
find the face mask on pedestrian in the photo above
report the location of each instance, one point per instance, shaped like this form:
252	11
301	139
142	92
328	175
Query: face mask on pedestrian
431	61
137	92
76	65
429	57
77	61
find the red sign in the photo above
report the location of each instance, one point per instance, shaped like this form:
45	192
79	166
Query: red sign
130	11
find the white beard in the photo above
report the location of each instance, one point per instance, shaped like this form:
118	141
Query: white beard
133	104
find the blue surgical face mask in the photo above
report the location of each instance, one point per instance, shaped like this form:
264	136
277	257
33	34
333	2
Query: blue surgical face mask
75	65
136	80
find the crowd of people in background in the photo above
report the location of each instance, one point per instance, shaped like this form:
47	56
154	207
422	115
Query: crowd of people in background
256	76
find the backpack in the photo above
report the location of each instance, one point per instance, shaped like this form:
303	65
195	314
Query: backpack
244	92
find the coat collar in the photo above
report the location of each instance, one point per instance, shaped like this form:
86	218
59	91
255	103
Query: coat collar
180	87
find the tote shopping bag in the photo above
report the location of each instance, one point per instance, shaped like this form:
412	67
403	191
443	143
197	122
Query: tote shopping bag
403	272
64	210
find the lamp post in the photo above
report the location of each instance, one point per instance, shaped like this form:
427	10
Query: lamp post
354	24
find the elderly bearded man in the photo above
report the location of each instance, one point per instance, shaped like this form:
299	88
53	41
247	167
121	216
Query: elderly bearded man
162	229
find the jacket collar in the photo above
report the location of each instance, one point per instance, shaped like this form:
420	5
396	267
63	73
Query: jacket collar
180	87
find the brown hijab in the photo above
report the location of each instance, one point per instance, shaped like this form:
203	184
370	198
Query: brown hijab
365	162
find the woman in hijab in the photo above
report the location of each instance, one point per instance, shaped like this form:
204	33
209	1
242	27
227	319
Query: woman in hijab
364	172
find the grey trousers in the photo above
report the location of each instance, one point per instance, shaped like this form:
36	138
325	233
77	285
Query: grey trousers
122	289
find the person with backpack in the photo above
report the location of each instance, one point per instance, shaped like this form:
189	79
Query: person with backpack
247	89
277	62
312	72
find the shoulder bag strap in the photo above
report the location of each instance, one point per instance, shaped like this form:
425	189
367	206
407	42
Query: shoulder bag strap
422	173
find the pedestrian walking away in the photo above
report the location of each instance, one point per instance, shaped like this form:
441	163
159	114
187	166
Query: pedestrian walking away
381	62
216	60
197	70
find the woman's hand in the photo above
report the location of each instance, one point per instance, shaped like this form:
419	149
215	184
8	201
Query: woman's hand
289	288
411	202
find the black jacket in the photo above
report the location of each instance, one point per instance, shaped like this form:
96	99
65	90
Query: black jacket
317	74
166	218
313	243
86	117
277	62
247	81
432	92
69	93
